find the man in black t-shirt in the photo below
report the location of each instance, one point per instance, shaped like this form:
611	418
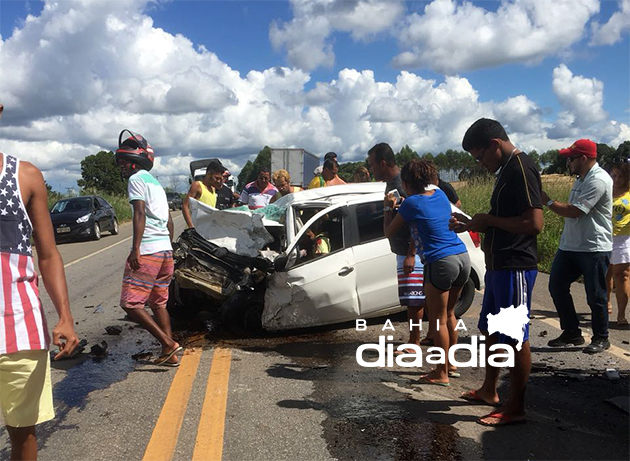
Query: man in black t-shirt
510	228
409	267
450	192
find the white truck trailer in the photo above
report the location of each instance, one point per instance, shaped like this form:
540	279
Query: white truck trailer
300	164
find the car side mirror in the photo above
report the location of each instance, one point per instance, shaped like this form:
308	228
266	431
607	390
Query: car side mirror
280	263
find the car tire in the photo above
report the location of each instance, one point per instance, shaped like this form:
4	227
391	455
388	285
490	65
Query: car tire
115	230
96	231
465	298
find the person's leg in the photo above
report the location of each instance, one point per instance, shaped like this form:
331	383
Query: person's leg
564	271
23	443
158	298
451	321
609	287
594	267
137	288
411	295
25	399
436	303
621	274
415	314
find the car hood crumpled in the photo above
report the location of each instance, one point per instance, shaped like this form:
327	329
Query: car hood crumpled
240	232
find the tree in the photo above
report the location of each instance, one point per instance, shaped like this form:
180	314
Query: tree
605	154
553	162
623	150
101	173
405	155
346	170
535	156
250	171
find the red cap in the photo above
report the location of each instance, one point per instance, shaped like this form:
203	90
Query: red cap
581	147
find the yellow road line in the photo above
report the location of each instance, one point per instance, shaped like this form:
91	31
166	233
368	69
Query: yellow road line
209	443
614	350
166	431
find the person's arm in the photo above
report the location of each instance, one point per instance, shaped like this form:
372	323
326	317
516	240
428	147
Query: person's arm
171	227
529	223
410	260
139	221
566	210
49	259
194	192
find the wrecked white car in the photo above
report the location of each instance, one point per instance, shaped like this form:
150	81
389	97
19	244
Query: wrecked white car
260	269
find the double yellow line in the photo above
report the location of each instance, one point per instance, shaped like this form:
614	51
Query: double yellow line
209	440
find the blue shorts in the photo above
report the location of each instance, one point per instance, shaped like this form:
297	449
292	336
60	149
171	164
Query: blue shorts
504	289
410	286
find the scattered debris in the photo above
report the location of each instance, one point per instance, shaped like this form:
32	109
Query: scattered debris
539	366
142	355
622	402
543	333
612	374
80	348
99	309
99	350
113	330
89	307
625	342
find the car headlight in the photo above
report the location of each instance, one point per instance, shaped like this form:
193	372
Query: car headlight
84	218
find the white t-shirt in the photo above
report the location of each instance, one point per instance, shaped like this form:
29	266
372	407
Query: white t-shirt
143	186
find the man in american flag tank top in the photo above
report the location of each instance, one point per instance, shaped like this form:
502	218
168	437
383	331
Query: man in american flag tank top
25	386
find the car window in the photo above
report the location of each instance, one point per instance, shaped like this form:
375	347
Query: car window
303	214
323	237
102	202
78	204
370	221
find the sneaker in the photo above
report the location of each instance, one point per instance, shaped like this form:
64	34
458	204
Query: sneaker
568	338
597	345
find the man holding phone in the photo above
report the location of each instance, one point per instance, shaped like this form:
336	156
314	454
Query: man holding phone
410	269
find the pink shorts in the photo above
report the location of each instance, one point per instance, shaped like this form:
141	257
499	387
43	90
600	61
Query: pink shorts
149	284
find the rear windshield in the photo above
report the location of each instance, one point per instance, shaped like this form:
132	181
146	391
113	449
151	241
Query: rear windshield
75	204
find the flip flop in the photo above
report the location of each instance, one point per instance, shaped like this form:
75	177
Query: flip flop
473	397
454	374
622	322
424	379
162	360
426	342
502	420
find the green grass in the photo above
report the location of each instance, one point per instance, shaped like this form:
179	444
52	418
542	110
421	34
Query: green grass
119	202
475	197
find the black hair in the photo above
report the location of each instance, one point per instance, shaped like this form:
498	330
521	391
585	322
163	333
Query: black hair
381	152
329	164
215	167
480	133
264	169
331	155
623	165
419	174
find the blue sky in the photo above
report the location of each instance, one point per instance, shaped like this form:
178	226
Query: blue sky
353	74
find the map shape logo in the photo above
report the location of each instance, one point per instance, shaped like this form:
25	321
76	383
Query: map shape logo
510	321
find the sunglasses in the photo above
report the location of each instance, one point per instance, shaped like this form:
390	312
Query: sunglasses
571	159
478	159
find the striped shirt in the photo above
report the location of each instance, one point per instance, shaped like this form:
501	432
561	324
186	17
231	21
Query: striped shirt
143	186
22	321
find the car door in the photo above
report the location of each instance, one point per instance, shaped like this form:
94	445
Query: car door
377	280
109	212
314	289
100	214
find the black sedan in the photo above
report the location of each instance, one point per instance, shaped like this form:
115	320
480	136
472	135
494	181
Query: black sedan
83	218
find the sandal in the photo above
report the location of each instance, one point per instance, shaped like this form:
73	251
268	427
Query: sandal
473	397
501	420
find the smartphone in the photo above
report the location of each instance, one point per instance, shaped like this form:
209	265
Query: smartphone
395	193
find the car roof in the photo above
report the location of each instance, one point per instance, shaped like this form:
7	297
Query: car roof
355	192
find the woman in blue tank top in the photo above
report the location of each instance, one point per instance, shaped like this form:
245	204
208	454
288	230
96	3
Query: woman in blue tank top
427	211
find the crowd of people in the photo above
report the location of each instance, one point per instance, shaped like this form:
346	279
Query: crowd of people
433	264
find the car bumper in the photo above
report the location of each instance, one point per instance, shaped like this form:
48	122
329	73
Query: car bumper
77	231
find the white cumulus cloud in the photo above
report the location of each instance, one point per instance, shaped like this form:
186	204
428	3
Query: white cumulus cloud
452	37
618	24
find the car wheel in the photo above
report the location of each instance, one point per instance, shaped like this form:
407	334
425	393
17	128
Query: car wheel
465	298
115	229
97	231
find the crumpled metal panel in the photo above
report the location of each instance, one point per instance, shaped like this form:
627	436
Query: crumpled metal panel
240	232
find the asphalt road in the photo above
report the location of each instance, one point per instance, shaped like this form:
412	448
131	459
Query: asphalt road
303	396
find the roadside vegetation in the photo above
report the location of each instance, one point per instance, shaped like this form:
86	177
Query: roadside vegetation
475	197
